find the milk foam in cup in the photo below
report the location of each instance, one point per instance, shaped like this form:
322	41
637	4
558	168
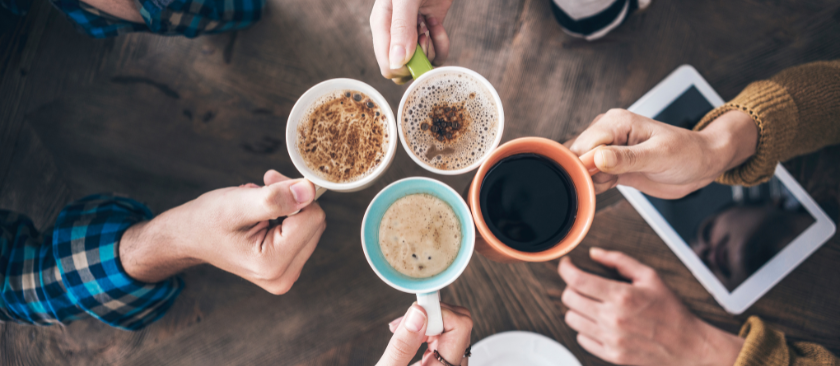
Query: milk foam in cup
478	113
426	288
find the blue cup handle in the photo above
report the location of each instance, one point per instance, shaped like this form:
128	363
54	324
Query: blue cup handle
431	303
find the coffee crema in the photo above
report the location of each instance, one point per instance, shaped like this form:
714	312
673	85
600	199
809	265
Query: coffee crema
450	121
343	136
420	235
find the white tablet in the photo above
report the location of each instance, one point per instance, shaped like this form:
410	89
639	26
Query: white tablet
738	241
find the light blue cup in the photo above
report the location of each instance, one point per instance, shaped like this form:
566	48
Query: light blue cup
427	289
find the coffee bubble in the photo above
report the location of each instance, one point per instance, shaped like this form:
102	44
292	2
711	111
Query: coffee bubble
460	118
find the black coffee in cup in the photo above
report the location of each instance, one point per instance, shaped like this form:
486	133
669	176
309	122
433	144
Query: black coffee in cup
528	202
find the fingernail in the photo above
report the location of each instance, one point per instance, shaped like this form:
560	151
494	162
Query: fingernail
394	323
605	159
414	320
301	191
397	56
595	251
423	28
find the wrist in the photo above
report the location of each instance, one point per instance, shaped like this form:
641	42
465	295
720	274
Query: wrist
719	347
731	138
149	252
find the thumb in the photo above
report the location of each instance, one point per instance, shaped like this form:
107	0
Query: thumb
276	200
622	159
403	32
407	338
626	266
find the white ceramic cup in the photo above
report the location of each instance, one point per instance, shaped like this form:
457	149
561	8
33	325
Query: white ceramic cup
298	113
420	81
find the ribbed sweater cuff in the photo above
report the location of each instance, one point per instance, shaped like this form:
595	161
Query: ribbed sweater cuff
762	346
774	113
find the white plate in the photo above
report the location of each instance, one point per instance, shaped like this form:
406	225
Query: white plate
516	348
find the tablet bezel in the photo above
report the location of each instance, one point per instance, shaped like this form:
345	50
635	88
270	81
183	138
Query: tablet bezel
755	286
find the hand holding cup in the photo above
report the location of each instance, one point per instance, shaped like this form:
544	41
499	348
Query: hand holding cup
409	335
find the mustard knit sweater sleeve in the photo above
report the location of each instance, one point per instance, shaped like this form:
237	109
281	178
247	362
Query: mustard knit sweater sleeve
797	111
767	347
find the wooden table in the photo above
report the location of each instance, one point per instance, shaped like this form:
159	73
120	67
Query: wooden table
165	119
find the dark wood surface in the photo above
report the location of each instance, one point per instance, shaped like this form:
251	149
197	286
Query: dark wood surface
164	119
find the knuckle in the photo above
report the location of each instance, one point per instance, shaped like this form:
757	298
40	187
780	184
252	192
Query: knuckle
566	297
619	356
320	215
569	319
628	157
624	298
385	69
266	272
464	310
266	202
281	287
617	114
467	323
399	28
573	279
400	350
648	273
617	322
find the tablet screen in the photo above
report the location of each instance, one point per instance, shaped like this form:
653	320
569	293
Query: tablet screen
734	230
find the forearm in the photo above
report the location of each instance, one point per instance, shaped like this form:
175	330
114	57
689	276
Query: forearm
123	9
149	253
74	270
795	113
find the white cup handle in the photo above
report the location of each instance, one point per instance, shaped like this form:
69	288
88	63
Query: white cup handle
318	192
431	303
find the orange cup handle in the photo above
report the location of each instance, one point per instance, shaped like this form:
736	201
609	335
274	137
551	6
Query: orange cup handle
588	160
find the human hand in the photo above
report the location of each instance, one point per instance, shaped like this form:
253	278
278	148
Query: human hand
641	322
662	160
232	229
410	333
394	24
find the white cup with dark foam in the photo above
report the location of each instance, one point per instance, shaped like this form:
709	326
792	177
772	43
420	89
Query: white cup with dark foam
440	140
302	111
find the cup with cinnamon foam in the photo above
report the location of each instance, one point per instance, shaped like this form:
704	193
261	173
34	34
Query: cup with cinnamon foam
341	135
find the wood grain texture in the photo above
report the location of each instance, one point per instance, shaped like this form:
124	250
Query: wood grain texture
164	119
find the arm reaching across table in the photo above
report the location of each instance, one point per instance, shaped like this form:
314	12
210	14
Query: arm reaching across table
792	113
108	258
797	111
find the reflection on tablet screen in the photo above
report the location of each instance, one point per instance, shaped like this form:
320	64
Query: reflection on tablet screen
734	230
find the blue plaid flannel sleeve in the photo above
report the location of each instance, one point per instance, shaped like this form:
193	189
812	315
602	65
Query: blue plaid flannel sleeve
189	18
73	271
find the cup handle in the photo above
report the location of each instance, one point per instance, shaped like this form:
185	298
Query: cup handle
431	303
318	192
418	64
588	160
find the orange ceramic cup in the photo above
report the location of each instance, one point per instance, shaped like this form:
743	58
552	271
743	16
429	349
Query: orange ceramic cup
491	247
